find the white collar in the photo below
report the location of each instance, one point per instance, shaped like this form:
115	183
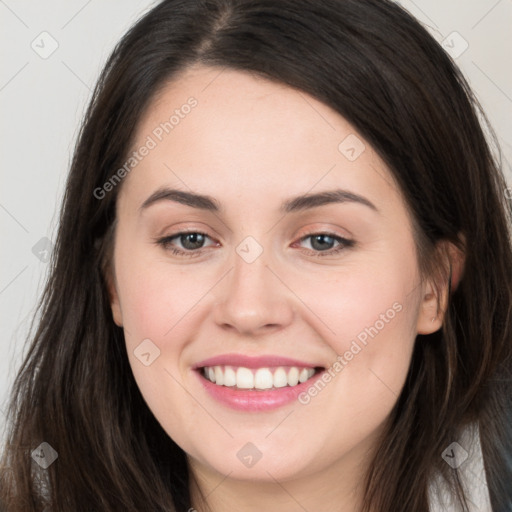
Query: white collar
466	456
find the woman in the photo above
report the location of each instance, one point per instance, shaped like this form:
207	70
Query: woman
282	278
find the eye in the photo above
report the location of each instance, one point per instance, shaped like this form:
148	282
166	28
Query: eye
186	243
324	244
192	243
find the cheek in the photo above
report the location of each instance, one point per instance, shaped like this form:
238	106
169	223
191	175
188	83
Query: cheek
367	315
154	297
156	306
363	301
146	310
160	303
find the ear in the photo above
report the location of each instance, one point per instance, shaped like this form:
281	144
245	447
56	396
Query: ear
437	289
113	295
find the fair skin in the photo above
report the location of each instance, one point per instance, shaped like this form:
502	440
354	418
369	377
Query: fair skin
251	144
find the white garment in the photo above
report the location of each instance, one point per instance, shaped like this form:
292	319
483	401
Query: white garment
466	456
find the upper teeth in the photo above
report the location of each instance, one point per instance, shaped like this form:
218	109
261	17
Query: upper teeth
261	378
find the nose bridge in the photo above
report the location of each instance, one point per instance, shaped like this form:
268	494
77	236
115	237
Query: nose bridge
251	274
252	296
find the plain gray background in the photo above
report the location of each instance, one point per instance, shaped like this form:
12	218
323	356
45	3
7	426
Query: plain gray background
52	53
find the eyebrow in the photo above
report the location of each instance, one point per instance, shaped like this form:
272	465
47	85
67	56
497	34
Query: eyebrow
179	196
307	201
294	204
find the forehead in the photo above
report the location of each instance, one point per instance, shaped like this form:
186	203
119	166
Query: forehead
219	131
239	108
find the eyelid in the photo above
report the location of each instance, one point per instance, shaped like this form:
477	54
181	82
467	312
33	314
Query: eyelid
178	227
326	228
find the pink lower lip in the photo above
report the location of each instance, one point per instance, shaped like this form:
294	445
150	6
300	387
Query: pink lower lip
255	400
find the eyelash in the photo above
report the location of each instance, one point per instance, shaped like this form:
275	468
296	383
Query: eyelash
344	243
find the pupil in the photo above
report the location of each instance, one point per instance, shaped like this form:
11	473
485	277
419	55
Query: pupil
322	242
192	240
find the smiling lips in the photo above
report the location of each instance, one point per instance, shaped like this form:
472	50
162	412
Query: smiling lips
255	383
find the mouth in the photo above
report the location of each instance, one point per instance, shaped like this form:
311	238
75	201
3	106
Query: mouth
256	384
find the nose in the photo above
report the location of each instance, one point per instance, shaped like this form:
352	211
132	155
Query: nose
254	299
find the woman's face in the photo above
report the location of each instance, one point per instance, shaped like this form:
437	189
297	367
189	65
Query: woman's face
301	258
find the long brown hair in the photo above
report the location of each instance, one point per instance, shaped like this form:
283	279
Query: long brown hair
379	68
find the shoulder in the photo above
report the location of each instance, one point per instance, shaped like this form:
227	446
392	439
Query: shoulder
465	455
